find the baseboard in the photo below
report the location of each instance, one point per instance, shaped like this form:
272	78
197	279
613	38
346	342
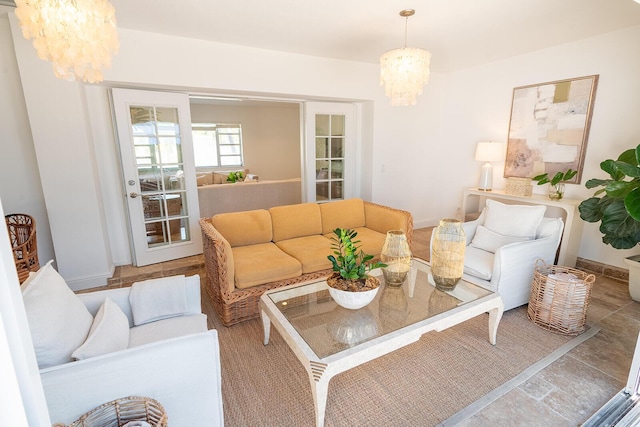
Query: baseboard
610	271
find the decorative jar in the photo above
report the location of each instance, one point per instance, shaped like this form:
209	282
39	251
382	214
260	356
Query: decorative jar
396	254
556	192
447	254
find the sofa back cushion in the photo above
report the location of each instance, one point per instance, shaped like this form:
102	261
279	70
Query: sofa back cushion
348	214
293	221
244	228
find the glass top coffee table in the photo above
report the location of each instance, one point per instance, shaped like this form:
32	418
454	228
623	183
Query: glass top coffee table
329	339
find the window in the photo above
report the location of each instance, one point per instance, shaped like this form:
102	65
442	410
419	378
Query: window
217	144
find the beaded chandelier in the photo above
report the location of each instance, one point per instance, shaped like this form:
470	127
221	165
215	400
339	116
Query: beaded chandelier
404	71
79	37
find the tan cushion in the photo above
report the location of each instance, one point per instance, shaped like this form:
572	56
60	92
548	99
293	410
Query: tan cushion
293	221
244	228
370	241
263	263
383	219
201	180
311	251
219	178
347	214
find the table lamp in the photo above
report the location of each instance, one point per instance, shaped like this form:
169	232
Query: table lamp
488	152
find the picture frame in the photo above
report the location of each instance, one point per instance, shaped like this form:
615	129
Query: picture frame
549	127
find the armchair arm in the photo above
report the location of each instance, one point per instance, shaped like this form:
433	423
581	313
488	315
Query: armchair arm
513	268
383	218
183	374
218	263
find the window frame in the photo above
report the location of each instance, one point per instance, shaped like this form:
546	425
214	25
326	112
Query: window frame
218	144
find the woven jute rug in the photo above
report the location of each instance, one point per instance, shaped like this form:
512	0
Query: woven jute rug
422	384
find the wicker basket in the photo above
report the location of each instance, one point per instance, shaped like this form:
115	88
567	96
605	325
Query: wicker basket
559	298
121	411
518	186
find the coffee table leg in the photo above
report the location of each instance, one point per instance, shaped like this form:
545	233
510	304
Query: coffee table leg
266	326
494	319
320	391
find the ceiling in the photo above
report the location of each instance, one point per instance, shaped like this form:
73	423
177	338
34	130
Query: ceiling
459	33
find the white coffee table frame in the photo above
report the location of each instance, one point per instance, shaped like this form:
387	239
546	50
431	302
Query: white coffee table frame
321	370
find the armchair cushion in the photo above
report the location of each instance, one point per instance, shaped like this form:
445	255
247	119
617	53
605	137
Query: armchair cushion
490	241
513	220
58	321
478	263
109	332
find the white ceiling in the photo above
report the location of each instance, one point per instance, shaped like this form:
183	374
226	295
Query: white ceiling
459	33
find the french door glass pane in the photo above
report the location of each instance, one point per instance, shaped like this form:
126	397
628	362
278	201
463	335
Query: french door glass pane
329	151
322	124
337	147
337	125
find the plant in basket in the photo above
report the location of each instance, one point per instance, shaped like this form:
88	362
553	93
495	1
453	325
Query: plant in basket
350	284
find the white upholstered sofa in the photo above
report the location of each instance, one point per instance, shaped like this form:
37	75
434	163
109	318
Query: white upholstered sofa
170	356
503	245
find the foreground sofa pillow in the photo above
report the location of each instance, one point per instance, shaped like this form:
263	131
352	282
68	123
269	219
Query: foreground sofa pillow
109	332
58	320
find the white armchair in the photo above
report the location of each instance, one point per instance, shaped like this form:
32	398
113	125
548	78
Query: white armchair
505	263
171	358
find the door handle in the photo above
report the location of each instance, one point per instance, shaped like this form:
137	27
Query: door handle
133	195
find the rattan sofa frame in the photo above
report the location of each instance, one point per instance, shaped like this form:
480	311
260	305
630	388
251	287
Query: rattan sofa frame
242	304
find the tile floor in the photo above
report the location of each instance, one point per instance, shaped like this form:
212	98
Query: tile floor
565	393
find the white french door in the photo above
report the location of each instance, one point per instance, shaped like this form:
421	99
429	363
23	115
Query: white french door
154	134
329	155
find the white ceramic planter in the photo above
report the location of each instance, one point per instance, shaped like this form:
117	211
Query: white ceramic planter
634	276
352	300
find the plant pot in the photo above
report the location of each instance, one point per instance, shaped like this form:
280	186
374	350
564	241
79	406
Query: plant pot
556	192
634	276
352	299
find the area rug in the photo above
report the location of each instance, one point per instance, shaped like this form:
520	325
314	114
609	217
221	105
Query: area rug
440	379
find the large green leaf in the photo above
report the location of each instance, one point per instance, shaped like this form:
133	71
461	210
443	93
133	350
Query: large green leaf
632	203
630	156
591	210
627	169
595	182
620	189
609	166
616	221
626	242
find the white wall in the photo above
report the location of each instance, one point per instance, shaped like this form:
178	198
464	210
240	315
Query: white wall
20	186
270	135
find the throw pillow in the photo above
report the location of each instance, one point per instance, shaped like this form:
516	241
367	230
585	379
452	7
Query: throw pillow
59	322
490	241
513	220
157	299
109	332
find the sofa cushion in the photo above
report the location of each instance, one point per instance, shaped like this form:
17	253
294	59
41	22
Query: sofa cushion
244	228
383	219
311	251
491	241
293	221
513	220
109	332
58	321
348	214
478	263
263	263
167	328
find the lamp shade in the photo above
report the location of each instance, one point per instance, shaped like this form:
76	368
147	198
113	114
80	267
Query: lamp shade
489	152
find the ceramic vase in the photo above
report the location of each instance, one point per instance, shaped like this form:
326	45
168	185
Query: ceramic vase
447	254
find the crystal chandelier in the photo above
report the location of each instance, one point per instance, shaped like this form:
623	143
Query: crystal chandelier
404	71
77	36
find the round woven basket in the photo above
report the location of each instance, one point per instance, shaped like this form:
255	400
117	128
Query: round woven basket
119	412
559	298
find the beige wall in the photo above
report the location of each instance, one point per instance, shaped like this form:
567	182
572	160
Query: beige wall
270	135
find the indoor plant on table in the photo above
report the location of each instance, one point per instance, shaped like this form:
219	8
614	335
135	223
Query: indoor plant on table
350	284
556	184
618	209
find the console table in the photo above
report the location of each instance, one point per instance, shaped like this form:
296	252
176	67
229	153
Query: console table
474	199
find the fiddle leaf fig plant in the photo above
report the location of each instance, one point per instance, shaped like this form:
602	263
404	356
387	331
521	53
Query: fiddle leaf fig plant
557	178
617	204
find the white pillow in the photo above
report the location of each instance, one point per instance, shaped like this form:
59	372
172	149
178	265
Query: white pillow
490	241
109	332
513	220
58	320
157	299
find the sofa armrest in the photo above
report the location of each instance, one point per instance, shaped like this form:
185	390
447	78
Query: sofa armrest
383	218
183	374
218	263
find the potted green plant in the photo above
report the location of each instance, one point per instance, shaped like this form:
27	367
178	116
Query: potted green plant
616	206
556	184
350	284
234	177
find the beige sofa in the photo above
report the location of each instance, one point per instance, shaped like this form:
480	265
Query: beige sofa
248	253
